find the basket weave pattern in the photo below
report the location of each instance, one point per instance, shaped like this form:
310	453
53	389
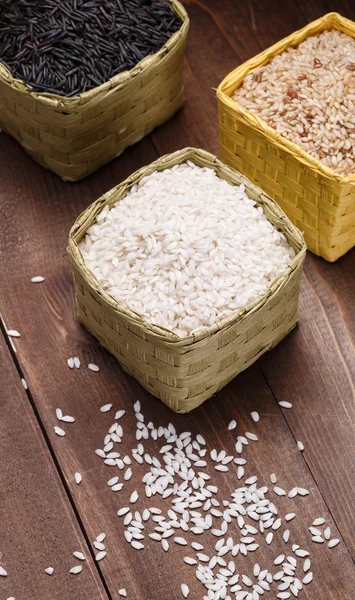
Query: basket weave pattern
75	136
183	372
317	199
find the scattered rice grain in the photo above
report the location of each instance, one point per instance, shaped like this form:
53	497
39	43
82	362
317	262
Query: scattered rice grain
255	416
13	333
76	570
59	431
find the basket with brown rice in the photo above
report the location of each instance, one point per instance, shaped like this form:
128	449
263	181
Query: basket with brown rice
287	121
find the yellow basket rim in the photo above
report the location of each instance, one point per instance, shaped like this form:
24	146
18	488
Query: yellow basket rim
117	81
331	20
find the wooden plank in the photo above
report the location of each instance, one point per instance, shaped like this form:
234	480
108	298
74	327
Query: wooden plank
314	369
331	378
318	8
221	37
225	34
81	393
44	314
39	528
196	125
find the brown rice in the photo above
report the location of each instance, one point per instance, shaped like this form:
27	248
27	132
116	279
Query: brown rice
307	94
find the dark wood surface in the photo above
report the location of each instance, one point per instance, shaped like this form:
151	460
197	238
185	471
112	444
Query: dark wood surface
314	368
39	528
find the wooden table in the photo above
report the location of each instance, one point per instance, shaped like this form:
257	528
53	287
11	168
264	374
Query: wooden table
44	514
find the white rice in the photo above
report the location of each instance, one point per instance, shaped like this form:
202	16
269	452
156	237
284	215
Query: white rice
13	333
76	570
184	249
78	478
59	431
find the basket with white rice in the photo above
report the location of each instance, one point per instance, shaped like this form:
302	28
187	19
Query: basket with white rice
187	273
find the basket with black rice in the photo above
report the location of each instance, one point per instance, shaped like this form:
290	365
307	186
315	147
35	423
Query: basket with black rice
80	80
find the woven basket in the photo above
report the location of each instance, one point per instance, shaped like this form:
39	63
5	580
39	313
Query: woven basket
317	199
183	372
75	136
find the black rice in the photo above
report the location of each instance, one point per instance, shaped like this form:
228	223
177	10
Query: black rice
70	46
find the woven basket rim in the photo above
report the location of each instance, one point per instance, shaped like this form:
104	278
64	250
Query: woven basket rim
332	20
117	81
279	219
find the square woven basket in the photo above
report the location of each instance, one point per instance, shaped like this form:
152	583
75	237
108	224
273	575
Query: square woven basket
317	199
183	372
75	136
